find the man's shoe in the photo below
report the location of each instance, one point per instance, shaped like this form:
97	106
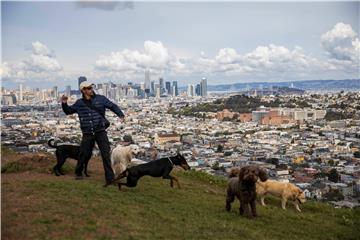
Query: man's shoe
109	183
57	171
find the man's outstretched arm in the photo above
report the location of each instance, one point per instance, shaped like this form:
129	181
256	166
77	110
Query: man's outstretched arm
113	107
66	108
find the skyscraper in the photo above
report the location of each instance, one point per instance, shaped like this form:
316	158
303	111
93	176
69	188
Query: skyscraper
173	91
81	79
55	92
68	90
157	90
161	83
20	92
190	90
147	79
168	87
203	87
198	90
175	86
105	89
152	88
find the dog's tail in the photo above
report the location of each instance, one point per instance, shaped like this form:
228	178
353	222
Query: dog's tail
52	143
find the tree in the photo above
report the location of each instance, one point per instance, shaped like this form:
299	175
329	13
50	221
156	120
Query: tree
357	154
128	138
333	175
226	119
320	175
220	148
216	166
334	195
274	161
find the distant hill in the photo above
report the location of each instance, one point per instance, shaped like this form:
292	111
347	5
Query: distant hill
346	84
38	205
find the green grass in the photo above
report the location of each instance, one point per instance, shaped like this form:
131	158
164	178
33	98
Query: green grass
6	150
17	167
69	209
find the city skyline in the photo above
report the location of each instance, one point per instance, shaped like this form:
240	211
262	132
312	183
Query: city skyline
119	41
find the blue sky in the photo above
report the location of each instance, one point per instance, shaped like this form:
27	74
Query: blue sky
52	43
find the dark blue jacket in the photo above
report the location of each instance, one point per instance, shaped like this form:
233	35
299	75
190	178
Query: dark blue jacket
90	120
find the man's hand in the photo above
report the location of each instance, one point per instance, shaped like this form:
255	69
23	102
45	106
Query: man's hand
64	99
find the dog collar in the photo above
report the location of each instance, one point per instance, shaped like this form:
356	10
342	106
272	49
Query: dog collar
171	161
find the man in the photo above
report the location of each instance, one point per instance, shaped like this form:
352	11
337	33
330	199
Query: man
91	110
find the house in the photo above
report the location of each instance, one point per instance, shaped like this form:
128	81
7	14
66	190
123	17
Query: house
161	139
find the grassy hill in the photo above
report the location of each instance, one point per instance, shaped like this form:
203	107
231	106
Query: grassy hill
38	205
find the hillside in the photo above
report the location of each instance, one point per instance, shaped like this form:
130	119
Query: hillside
38	205
345	84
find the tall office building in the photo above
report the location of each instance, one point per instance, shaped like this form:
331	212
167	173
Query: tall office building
168	87
203	87
55	92
175	87
68	90
112	93
147	79
120	92
21	93
190	90
81	79
198	90
162	87
142	91
157	91
152	87
105	89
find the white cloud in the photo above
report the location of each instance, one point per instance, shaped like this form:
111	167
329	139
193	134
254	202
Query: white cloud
264	60
269	61
341	43
40	64
129	63
39	48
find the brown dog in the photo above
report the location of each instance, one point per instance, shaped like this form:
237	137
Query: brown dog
244	188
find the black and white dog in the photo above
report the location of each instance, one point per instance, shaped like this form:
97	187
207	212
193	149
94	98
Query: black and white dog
158	168
63	152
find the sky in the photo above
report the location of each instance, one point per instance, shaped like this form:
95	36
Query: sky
53	43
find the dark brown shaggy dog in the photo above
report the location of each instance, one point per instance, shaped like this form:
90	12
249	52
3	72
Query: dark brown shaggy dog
234	172
244	188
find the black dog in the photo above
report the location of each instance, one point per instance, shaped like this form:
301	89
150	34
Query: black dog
63	152
158	168
244	188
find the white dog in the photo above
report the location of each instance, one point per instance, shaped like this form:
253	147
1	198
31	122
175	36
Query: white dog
121	157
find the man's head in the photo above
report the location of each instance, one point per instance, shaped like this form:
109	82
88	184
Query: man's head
86	88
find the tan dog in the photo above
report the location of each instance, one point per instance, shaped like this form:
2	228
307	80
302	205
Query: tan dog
286	191
121	157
